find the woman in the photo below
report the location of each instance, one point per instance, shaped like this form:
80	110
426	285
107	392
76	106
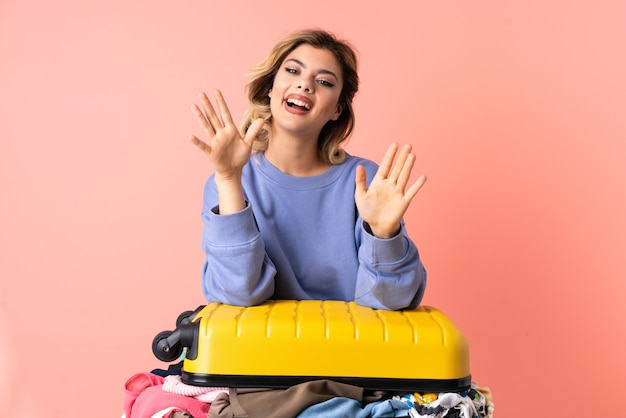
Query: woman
287	213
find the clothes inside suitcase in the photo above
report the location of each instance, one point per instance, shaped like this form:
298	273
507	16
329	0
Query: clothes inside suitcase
282	343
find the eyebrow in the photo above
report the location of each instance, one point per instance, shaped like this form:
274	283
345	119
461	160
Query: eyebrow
322	71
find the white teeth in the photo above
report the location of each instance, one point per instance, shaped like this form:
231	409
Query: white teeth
299	103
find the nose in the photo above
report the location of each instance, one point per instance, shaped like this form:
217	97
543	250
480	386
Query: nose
305	85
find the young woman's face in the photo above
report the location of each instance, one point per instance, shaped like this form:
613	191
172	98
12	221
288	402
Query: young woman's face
306	90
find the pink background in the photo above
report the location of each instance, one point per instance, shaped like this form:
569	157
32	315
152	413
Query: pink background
516	110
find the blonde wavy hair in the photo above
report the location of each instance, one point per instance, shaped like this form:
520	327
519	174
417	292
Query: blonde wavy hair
262	80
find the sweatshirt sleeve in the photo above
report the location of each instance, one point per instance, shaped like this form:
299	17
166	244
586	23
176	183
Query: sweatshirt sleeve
236	270
391	275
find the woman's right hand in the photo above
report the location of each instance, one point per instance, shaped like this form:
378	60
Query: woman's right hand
227	150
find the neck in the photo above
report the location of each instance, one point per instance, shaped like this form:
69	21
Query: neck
295	156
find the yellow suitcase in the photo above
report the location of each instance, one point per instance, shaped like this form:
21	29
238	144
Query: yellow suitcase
282	343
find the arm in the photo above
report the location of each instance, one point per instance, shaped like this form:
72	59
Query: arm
391	274
236	271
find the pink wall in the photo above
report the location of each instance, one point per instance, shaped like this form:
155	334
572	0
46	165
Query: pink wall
516	111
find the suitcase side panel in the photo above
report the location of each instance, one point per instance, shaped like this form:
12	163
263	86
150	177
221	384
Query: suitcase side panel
328	339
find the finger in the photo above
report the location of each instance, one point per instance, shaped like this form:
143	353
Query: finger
223	108
407	167
360	178
400	163
385	164
199	143
209	111
253	130
202	120
415	187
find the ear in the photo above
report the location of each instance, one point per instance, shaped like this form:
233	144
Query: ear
338	111
269	93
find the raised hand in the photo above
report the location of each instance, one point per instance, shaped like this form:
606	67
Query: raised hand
387	199
226	148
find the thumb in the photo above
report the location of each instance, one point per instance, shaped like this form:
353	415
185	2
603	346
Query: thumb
359	180
253	130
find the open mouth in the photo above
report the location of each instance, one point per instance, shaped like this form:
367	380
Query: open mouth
299	104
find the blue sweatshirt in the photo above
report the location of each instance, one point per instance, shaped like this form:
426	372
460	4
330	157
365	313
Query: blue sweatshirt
302	238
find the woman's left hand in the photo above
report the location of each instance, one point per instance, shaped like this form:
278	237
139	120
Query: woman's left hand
385	202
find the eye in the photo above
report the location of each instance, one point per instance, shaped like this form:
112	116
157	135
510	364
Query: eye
291	70
325	83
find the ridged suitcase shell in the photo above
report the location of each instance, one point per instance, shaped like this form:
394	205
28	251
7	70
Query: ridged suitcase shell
282	343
